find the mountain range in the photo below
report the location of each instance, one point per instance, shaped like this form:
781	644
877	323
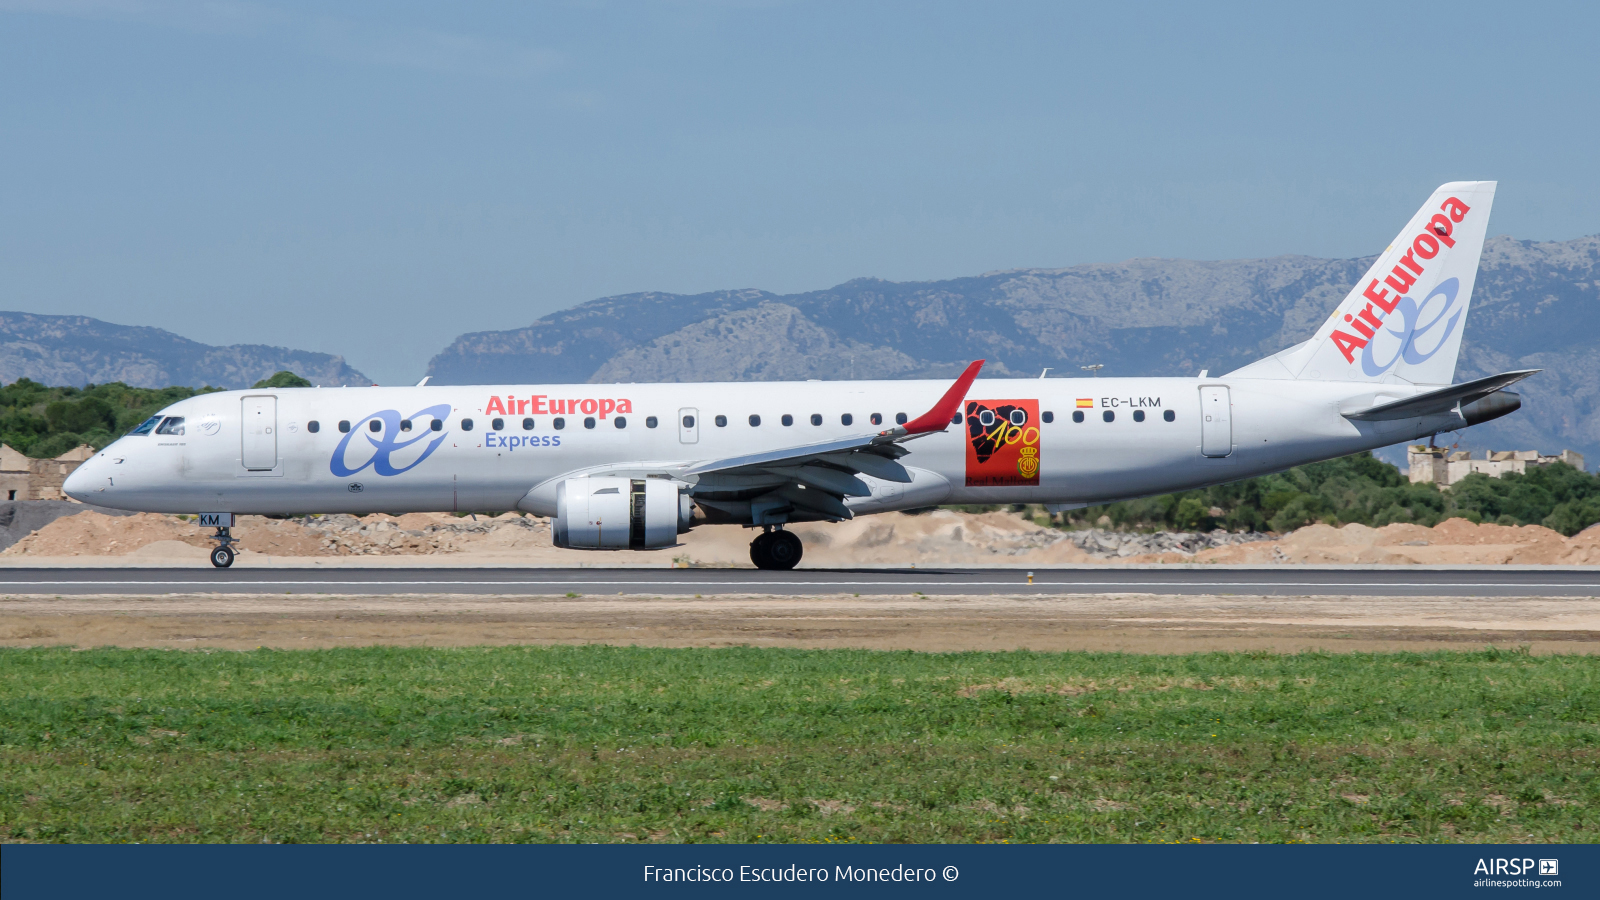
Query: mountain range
1534	307
77	350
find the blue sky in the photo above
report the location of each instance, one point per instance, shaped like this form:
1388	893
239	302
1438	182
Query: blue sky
373	179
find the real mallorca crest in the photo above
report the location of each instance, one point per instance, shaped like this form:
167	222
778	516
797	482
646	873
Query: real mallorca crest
1028	464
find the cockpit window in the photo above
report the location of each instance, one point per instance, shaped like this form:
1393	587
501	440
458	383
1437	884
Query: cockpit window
147	425
173	425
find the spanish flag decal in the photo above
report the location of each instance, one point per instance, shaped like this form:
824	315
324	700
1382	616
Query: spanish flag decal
1085	403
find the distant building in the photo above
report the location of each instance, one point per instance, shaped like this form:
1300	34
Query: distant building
1446	467
25	478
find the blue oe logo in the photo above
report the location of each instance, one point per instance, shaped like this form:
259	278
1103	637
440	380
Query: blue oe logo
1408	314
384	442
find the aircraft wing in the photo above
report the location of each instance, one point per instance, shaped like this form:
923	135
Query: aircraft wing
817	477
1440	401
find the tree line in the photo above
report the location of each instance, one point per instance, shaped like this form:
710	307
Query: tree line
1363	489
45	422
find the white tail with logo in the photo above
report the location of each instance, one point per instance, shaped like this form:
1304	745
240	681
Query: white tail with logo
1402	321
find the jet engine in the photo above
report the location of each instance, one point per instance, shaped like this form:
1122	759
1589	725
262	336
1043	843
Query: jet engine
1497	404
612	513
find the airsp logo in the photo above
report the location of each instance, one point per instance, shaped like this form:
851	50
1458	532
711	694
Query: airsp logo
1501	866
209	426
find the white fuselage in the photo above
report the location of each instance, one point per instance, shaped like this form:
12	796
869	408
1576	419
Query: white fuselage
256	451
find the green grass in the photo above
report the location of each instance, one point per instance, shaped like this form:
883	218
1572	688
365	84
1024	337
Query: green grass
598	743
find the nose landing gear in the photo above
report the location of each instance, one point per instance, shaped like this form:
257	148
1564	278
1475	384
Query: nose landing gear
222	556
776	550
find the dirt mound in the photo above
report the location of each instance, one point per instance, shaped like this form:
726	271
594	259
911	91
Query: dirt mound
942	537
98	534
95	534
20	518
1451	542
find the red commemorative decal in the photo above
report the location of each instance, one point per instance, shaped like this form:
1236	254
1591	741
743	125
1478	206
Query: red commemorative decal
1002	443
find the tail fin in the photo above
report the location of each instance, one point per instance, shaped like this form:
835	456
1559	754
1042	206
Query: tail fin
1403	320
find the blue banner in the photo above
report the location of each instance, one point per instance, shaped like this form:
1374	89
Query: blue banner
32	872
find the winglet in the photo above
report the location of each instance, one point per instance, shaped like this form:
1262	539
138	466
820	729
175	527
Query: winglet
938	418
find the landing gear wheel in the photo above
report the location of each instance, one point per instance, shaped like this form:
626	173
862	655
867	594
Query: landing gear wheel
784	551
761	551
222	557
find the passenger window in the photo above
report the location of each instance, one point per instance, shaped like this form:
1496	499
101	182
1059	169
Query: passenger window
405	424
722	421
955	419
313	426
527	424
559	423
173	426
1077	415
1019	417
899	418
847	419
621	421
688	421
1138	415
1047	417
498	424
344	426
876	418
466	424
437	424
375	425
787	419
986	418
816	419
650	422
147	426
1109	416
755	421
588	421
1169	415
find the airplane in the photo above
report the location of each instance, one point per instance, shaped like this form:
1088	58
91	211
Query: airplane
633	466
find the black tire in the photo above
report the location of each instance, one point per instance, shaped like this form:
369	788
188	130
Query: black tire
222	557
760	551
785	550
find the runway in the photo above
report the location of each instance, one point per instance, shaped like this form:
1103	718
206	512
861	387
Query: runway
352	581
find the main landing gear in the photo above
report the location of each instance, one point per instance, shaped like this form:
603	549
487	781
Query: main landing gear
222	556
777	550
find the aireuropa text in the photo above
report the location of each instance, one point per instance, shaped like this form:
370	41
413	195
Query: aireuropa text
793	873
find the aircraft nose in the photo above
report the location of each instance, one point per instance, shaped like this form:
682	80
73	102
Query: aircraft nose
87	479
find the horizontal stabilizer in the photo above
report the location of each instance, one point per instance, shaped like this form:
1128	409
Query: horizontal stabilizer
1440	401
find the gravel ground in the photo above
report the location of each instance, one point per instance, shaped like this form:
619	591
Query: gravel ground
1107	622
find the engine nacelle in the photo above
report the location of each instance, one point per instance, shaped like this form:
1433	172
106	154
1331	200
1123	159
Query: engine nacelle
1497	404
611	513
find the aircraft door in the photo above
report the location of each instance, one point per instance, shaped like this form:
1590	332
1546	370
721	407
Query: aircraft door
1216	420
689	426
259	427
